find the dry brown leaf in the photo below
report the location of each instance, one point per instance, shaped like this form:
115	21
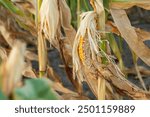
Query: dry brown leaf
52	74
26	5
3	54
92	80
10	31
6	34
142	34
66	93
2	41
68	30
123	86
31	56
12	69
125	5
28	71
60	88
66	22
142	70
128	33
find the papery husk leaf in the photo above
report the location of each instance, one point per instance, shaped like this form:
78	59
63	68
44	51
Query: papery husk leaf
83	67
49	19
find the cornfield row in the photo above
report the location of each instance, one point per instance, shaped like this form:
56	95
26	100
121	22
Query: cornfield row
85	37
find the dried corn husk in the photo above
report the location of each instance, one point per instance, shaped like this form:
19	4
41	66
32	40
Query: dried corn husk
87	64
49	19
86	52
51	23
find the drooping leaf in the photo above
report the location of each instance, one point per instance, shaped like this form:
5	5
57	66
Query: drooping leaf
129	34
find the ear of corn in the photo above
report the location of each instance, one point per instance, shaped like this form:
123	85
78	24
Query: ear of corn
80	49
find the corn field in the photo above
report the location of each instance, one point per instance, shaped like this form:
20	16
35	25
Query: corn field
74	49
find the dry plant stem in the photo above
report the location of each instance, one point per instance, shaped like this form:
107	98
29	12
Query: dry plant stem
101	89
39	4
140	77
42	49
78	12
100	26
135	58
42	54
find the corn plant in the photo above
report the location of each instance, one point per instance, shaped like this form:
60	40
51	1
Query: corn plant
84	36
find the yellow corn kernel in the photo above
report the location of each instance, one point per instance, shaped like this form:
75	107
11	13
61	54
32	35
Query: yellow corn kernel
81	50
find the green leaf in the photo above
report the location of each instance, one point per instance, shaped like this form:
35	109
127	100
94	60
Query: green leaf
11	7
115	49
2	96
106	3
35	89
103	47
